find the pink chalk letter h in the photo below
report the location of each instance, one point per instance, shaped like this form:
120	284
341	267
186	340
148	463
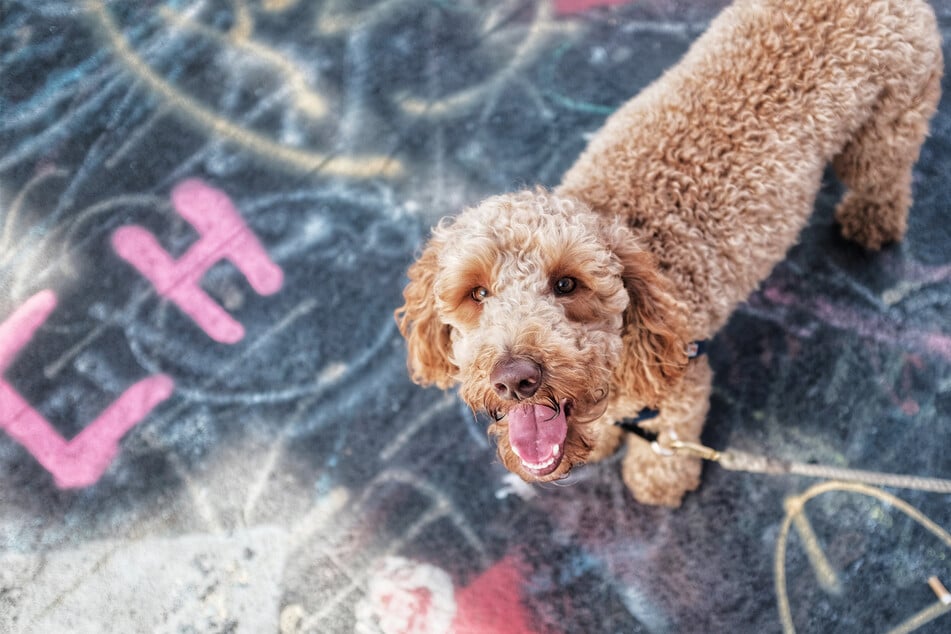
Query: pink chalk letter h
81	461
224	235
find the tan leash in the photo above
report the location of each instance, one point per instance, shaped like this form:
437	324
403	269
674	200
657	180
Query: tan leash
854	480
734	460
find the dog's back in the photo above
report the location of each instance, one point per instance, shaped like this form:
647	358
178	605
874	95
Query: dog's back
717	163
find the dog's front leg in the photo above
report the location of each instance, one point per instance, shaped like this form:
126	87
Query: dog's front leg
659	479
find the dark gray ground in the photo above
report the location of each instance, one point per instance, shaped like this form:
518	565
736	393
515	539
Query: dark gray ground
294	479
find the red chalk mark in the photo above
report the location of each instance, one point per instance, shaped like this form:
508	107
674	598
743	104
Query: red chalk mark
81	461
224	235
492	603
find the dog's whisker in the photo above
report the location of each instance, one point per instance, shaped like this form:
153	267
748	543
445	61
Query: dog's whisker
566	482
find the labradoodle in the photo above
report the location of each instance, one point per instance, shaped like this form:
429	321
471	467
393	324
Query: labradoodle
561	313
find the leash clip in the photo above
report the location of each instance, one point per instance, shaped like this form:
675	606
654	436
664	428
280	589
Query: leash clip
677	446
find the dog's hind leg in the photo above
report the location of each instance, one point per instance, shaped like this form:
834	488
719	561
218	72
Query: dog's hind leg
876	165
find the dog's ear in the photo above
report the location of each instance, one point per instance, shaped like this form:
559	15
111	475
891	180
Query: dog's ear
427	337
655	357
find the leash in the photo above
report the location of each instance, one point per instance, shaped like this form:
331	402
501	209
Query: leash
734	460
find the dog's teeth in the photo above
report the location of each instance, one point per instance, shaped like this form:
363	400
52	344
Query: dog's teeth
555	450
542	465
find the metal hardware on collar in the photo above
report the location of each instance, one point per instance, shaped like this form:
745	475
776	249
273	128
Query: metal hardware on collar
696	348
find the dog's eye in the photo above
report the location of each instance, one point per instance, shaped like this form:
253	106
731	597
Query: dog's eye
565	285
479	293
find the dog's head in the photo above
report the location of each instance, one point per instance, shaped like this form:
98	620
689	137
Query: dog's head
543	312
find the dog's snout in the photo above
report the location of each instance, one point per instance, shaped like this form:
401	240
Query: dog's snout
516	378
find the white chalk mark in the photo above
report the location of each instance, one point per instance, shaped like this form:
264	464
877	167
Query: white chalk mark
419	421
323	514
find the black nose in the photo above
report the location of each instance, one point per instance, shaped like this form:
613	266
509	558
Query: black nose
516	378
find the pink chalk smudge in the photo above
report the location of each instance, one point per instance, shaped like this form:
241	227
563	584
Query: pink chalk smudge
81	461
224	236
567	7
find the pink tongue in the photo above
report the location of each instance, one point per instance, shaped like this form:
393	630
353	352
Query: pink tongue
534	430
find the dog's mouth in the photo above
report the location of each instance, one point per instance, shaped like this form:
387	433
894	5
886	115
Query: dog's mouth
537	436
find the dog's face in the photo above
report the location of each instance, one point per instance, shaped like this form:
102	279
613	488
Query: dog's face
542	312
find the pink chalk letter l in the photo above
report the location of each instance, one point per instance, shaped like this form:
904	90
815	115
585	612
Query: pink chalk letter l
81	461
224	235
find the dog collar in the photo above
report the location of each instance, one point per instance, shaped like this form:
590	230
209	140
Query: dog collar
633	425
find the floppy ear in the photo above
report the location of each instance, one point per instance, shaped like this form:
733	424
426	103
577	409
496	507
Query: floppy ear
427	337
655	357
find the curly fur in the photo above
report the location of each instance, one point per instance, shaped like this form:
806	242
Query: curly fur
675	212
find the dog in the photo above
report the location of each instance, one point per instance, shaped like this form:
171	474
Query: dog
563	312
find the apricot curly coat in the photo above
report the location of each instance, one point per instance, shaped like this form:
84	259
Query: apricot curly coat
560	313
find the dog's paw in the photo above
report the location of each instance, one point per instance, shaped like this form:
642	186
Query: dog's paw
872	224
661	480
